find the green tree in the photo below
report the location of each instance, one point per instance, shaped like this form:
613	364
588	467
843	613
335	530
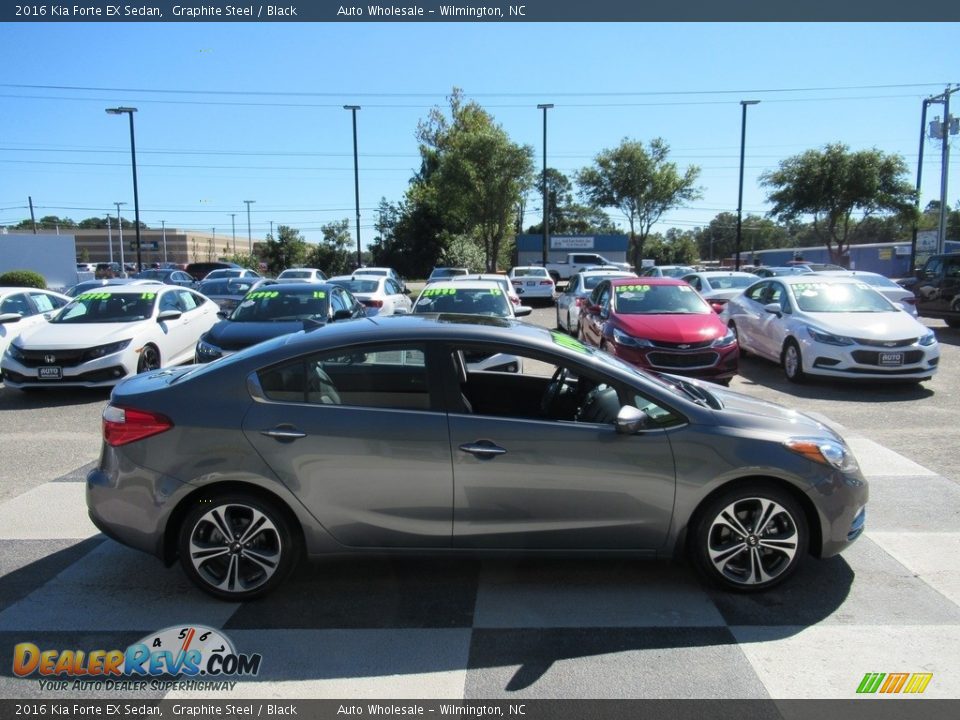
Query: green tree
334	254
838	189
289	249
718	239
472	174
639	182
566	216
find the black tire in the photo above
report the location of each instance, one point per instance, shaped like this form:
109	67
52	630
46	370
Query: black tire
792	361
755	558
225	567
733	328
149	359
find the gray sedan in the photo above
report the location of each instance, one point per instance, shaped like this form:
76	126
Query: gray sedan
374	436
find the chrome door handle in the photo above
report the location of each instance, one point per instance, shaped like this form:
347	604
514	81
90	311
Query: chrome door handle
284	434
483	449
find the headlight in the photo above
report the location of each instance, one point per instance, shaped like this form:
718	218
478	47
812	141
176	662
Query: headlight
825	451
621	338
15	352
725	341
828	338
102	350
929	339
206	350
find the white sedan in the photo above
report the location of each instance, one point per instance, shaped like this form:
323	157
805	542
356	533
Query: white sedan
718	286
533	281
379	294
23	308
836	327
311	275
108	334
474	297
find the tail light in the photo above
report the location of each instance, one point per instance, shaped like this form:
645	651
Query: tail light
580	301
912	300
717	305
126	425
372	303
547	282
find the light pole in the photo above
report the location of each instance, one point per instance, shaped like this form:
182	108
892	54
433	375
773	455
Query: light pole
123	266
356	177
163	227
133	161
233	229
110	238
546	208
743	137
249	236
913	236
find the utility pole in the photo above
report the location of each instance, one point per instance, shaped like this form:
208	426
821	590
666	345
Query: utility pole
546	202
110	238
163	227
33	220
249	236
945	132
923	136
743	140
356	178
233	228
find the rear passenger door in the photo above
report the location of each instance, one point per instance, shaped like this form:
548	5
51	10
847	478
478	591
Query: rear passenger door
360	436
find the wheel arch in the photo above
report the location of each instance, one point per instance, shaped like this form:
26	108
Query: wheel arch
175	521
814	524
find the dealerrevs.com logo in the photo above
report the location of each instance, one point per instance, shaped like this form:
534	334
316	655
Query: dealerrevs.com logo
894	683
204	655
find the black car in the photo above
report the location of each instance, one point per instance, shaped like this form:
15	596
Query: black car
168	276
199	270
277	310
228	292
937	288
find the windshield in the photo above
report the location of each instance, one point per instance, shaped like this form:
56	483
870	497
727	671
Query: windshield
277	306
729	282
295	274
471	301
643	299
824	297
108	307
358	286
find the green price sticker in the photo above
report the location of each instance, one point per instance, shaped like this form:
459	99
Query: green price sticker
94	296
148	296
633	288
261	294
436	292
320	294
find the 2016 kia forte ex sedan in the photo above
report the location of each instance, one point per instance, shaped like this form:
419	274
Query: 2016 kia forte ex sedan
376	436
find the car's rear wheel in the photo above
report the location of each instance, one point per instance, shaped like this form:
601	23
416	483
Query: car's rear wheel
792	361
750	538
237	546
149	359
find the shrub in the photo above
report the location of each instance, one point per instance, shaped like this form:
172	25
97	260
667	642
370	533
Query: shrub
23	278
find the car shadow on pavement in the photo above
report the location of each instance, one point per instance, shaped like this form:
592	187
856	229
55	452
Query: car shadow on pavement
756	371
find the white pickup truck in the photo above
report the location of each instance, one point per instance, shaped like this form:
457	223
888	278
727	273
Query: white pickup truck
576	262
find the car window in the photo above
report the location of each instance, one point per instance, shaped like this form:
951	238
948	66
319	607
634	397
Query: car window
17	304
46	303
695	282
758	291
384	376
170	301
392	288
952	268
338	301
188	300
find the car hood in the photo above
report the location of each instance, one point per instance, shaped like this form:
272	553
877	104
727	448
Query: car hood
680	328
744	411
868	326
233	335
64	336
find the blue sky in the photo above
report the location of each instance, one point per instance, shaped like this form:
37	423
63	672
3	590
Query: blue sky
254	111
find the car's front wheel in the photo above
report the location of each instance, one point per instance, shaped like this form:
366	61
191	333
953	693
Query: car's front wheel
792	361
237	547
149	359
750	538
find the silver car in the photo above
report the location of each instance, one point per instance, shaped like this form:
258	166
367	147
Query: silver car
374	436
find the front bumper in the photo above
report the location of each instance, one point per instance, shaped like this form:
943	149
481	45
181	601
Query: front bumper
104	372
865	362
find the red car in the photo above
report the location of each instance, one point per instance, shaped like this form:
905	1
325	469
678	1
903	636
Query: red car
660	324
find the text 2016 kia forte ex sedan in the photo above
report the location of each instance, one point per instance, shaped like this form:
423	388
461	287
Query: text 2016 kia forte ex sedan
376	436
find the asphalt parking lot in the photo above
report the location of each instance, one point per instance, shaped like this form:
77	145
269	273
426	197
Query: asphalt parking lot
554	628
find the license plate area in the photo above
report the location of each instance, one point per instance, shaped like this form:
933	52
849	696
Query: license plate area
891	359
50	373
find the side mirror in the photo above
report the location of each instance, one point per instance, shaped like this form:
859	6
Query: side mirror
343	315
774	309
223	314
169	315
10	317
630	420
522	310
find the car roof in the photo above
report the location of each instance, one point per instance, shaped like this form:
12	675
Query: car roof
723	273
808	278
846	273
616	282
470	284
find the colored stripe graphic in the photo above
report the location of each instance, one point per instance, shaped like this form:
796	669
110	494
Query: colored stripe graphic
918	682
870	682
894	683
